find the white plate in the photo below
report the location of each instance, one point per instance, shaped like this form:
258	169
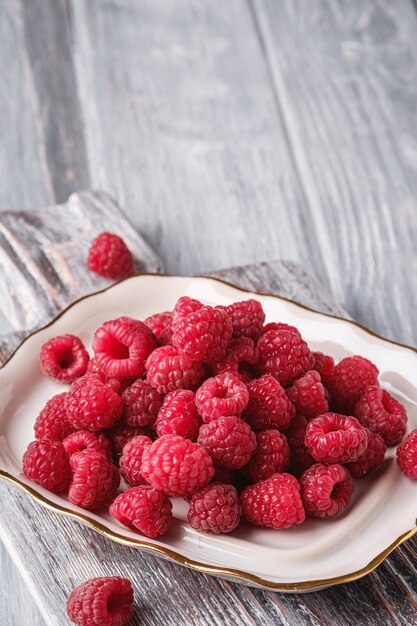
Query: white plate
318	553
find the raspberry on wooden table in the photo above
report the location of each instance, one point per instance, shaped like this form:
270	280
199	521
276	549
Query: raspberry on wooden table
284	355
407	455
215	509
308	395
176	466
178	415
326	490
348	381
110	257
104	601
85	439
229	440
222	395
145	509
161	326
274	502
52	422
167	370
122	433
268	406
323	363
92	405
131	460
247	318
300	458
47	463
141	403
372	458
94	480
379	411
335	438
64	358
272	456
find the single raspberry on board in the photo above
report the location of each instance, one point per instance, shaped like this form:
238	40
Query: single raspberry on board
323	364
383	414
131	460
109	256
215	509
91	405
178	415
94	480
372	458
64	358
348	381
300	458
274	502
122	433
144	509
222	395
47	463
161	326
121	347
407	455
141	403
104	601
167	370
229	440
335	438
272	456
247	318
280	326
326	490
284	355
268	406
52	422
83	439
176	466
308	395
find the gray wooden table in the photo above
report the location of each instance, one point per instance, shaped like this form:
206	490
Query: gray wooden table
230	132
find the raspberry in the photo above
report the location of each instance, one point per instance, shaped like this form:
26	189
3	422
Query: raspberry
84	439
46	463
326	490
348	381
407	455
281	326
334	438
272	456
52	422
284	355
178	415
161	326
121	347
308	395
121	434
167	370
222	395
64	358
372	458
242	350
268	406
110	257
104	601
204	334
176	466
184	307
382	414
300	458
91	405
247	318
229	441
215	509
274	502
141	404
144	509
94	480
117	384
323	364
131	460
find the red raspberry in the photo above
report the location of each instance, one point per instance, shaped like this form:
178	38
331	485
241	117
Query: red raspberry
348	381
229	441
247	318
91	405
117	384
131	460
84	439
242	350
184	307
204	334
121	434
105	601
52	422
284	355
268	406
144	509
121	347
110	257
222	395
407	455
215	509
47	463
372	458
167	370
280	326
382	414
300	458
323	364
64	358
161	326
272	456
308	395
178	415
94	480
141	404
334	438
326	490
176	466
274	502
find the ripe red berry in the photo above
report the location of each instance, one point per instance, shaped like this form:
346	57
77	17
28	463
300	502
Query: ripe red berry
284	355
141	403
121	434
131	460
326	490
407	455
300	458
144	509
274	502
94	480
184	307
161	326
335	438
268	406
167	370
372	458
247	318
104	601
272	456
64	358
109	256
91	405
381	413
178	415
215	509
47	463
281	326
323	364
222	395
239	351
52	422
308	395
348	381
229	440
83	439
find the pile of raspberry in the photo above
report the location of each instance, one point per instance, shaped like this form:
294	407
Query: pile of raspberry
210	404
